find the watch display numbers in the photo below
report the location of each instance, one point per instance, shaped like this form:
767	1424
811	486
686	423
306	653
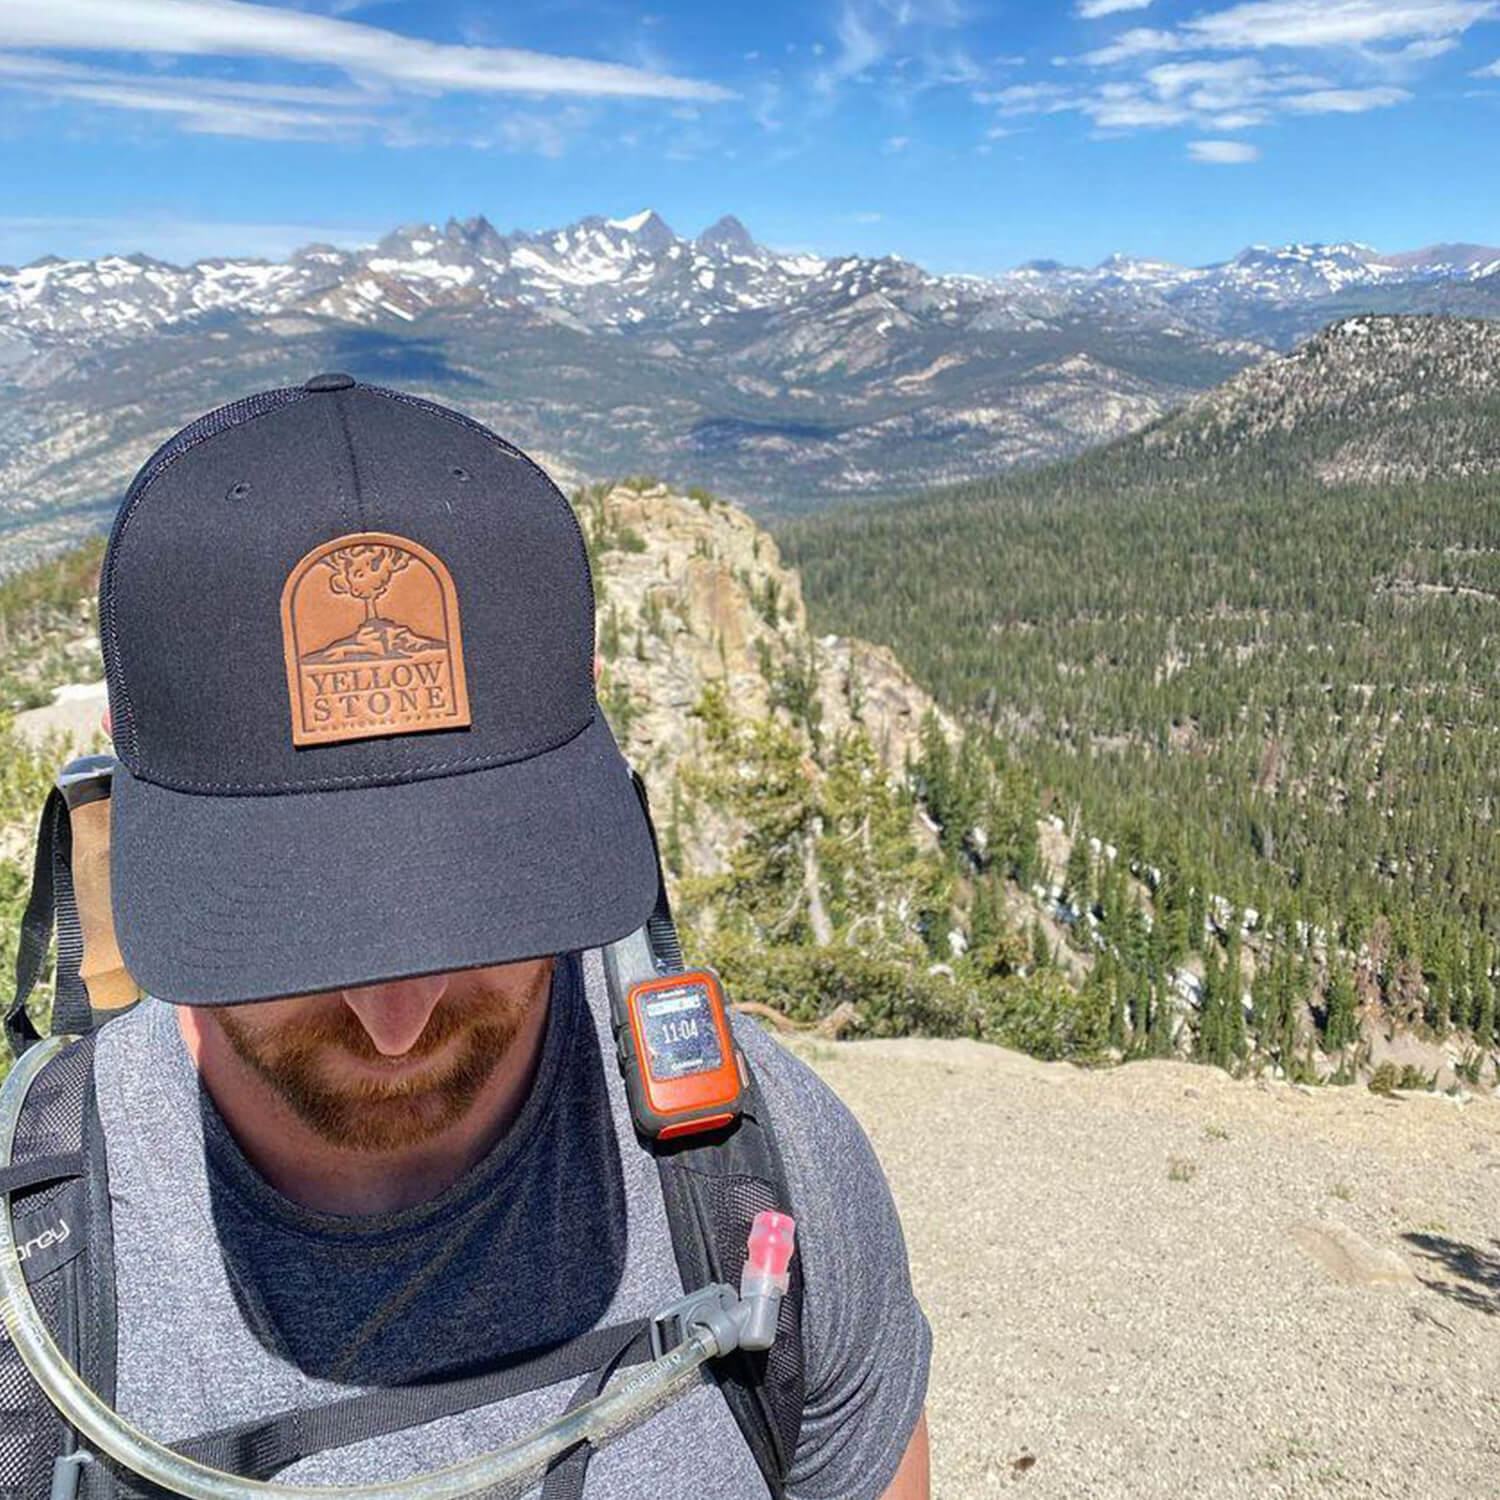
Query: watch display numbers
679	1032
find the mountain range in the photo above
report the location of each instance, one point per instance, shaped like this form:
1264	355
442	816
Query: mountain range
617	346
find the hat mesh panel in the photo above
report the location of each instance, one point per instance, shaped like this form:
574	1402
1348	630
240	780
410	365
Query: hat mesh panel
210	425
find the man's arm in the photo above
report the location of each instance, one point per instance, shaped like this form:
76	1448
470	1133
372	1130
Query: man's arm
913	1478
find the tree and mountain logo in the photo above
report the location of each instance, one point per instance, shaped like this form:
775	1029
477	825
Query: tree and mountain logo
371	634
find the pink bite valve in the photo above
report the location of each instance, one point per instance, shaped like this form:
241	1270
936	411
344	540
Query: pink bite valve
773	1237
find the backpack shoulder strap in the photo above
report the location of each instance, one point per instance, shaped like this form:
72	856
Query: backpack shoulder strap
51	903
713	1192
713	1189
70	893
58	1195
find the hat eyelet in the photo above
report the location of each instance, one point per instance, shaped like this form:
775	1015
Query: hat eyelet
240	491
460	474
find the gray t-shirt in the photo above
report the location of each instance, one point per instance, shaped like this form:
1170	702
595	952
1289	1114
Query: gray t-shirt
236	1303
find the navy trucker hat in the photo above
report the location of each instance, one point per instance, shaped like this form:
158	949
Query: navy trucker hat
349	638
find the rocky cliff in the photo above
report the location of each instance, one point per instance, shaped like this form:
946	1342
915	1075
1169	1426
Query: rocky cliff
691	591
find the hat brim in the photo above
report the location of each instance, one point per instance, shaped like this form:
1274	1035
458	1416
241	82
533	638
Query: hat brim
220	900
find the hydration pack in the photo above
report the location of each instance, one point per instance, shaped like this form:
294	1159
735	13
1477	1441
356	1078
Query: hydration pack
58	1194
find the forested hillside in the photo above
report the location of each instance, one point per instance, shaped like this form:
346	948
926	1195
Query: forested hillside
1253	680
1152	857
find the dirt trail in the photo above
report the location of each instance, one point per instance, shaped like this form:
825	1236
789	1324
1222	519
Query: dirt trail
1155	1281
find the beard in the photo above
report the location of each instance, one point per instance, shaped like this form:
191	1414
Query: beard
472	1027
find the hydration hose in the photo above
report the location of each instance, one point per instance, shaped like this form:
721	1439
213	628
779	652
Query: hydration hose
711	1322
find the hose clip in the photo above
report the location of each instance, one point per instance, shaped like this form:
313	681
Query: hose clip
711	1307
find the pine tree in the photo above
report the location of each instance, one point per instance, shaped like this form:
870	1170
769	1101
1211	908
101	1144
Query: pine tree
1238	1043
1078	878
1341	1026
1209	1043
1041	952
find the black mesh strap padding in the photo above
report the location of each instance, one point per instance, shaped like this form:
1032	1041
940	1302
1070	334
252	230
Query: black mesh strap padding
49	1138
50	903
261	1449
95	1288
713	1193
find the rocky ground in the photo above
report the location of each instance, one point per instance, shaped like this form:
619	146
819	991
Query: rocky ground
1157	1281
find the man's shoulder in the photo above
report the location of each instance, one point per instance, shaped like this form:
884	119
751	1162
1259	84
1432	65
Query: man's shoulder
823	1146
867	1345
792	1088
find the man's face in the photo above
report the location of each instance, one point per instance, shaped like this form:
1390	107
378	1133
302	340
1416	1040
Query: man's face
389	1066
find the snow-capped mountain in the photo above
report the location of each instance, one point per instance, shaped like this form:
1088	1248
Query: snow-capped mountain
603	271
615	345
635	271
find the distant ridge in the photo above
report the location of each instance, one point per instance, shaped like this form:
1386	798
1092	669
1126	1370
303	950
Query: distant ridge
1371	400
617	345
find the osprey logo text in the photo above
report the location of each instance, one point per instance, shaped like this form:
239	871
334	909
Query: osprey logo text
45	1240
370	628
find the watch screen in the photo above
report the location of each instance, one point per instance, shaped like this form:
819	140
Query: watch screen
681	1038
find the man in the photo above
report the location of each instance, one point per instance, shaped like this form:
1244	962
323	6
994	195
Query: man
370	834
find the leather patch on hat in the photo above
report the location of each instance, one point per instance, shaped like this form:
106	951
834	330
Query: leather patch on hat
370	626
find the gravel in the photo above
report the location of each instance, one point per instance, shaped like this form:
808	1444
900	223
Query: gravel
1158	1281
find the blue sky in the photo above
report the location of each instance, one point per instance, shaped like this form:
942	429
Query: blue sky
964	134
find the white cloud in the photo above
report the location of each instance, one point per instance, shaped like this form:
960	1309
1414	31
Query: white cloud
1424	51
180	241
1029	98
44	73
1493	71
233	28
1134	113
859	45
896	143
1090	10
1344	101
896	34
1427	26
1342	23
1140	41
1182	75
1174	78
1223	153
225	117
201	106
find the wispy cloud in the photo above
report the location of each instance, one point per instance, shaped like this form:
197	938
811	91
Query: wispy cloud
1345	23
1091	10
1423	51
1343	101
233	28
1428	27
202	106
1223	153
1245	64
1226	94
27	69
23	238
910	42
1139	41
